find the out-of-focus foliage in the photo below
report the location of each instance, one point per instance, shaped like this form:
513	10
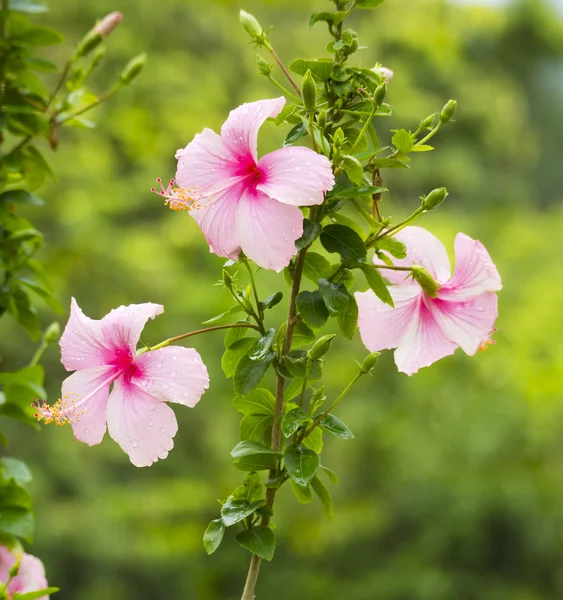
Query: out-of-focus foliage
453	486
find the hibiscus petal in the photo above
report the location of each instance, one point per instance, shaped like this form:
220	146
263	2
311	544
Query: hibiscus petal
240	131
82	343
268	229
204	163
474	273
295	176
468	323
140	423
30	577
217	220
423	343
122	327
89	419
423	249
381	326
172	374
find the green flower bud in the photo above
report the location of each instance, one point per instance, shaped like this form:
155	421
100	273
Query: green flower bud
227	279
251	25
52	333
338	138
426	281
321	120
434	198
380	93
88	43
309	90
427	123
321	347
14	569
369	362
448	111
264	66
133	68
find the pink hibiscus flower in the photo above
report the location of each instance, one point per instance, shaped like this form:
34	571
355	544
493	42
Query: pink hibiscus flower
104	353
30	577
422	328
242	203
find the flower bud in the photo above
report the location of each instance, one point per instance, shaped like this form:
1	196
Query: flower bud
386	74
52	333
14	569
88	43
321	120
427	123
251	25
380	93
227	279
369	362
338	138
426	281
264	66
321	347
448	111
108	24
434	198
309	90
133	68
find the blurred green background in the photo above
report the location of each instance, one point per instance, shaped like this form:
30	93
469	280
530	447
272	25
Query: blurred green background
453	488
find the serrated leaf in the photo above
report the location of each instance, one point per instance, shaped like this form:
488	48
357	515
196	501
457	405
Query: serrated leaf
261	541
213	535
292	421
402	140
301	463
377	284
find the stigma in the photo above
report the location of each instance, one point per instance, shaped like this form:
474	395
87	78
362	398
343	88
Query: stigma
177	198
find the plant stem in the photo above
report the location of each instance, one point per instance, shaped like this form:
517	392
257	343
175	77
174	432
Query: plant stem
254	569
101	99
283	68
395	229
312	132
305	379
198	332
59	84
430	135
283	89
260	312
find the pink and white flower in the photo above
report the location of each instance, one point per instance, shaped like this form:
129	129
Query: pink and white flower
103	353
30	576
423	328
242	203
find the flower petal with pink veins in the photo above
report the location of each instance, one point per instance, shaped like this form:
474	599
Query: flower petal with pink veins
140	423
381	326
468	323
204	163
296	176
240	131
423	342
268	229
423	249
82	342
217	220
172	374
89	419
474	273
122	328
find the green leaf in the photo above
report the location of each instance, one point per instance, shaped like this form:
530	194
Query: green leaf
302	493
234	335
41	36
348	321
333	478
392	245
261	541
421	148
17	522
27	6
402	140
344	241
336	427
321	69
369	3
292	390
334	18
335	296
25	313
301	463
254	427
251	489
353	168
314	440
224	317
317	400
258	402
262	347
256	462
234	511
303	335
292	421
233	355
311	232
312	308
393	163
324	496
377	284
21	197
35	595
213	535
296	362
272	301
363	190
247	448
249	373
316	267
47	297
40	64
296	132
16	470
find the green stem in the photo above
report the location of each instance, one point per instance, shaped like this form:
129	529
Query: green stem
396	228
88	107
198	332
358	139
251	578
283	67
333	405
305	379
60	83
394	268
312	131
259	310
430	135
283	89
